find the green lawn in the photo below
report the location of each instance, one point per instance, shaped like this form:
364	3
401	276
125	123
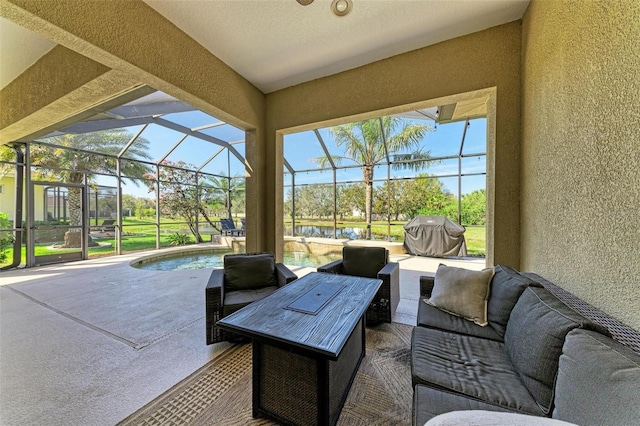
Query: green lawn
140	235
475	236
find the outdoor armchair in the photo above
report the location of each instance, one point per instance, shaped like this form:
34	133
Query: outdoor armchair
246	277
371	262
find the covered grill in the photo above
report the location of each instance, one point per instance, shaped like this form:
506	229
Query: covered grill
434	236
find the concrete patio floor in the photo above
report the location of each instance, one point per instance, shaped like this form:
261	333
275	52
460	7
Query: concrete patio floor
90	342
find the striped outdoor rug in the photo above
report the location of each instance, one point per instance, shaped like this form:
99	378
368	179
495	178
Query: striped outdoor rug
219	393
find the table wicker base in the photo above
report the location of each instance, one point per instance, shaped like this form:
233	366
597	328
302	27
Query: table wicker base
297	387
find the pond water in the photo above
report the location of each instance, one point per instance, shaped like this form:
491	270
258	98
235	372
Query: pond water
214	259
327	232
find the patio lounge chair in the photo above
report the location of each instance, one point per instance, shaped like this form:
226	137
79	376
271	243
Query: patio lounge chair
229	228
246	277
371	262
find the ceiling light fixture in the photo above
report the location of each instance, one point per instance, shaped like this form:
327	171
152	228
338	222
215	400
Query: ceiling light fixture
305	2
341	7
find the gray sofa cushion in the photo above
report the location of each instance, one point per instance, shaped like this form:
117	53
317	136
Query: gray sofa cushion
432	317
534	337
598	381
506	287
249	271
475	367
364	261
429	402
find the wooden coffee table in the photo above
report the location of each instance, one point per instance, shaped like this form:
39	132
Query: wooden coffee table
308	341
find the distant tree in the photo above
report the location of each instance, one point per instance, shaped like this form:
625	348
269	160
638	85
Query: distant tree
180	198
426	196
474	208
363	142
352	199
315	200
140	208
288	204
144	207
390	198
129	203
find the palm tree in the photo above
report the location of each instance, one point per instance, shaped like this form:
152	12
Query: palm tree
364	143
230	189
77	155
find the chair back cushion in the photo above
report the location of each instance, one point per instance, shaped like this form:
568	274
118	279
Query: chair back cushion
249	271
364	261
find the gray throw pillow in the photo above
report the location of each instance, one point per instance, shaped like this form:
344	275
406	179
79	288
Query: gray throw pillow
249	271
462	292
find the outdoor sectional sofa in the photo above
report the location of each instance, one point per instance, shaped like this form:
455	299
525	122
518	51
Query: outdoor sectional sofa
535	357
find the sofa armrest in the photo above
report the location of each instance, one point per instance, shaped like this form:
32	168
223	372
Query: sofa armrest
426	285
213	304
285	276
335	267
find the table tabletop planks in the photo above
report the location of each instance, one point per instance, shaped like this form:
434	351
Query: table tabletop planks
325	332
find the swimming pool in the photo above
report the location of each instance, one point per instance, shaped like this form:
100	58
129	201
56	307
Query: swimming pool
213	259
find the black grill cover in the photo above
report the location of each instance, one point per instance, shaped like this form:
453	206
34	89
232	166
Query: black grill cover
434	236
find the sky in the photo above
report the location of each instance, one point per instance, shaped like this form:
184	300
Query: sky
301	148
444	140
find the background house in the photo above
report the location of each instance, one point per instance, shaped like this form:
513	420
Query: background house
7	198
563	155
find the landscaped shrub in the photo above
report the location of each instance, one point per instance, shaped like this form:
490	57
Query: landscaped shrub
178	239
6	237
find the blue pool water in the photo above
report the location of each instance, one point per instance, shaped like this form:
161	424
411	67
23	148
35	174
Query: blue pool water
214	260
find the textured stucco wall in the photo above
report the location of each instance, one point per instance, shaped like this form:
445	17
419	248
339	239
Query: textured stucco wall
56	87
486	59
41	85
581	150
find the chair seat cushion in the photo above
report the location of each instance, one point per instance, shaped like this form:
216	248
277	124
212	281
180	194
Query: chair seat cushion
249	271
234	300
432	317
475	367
